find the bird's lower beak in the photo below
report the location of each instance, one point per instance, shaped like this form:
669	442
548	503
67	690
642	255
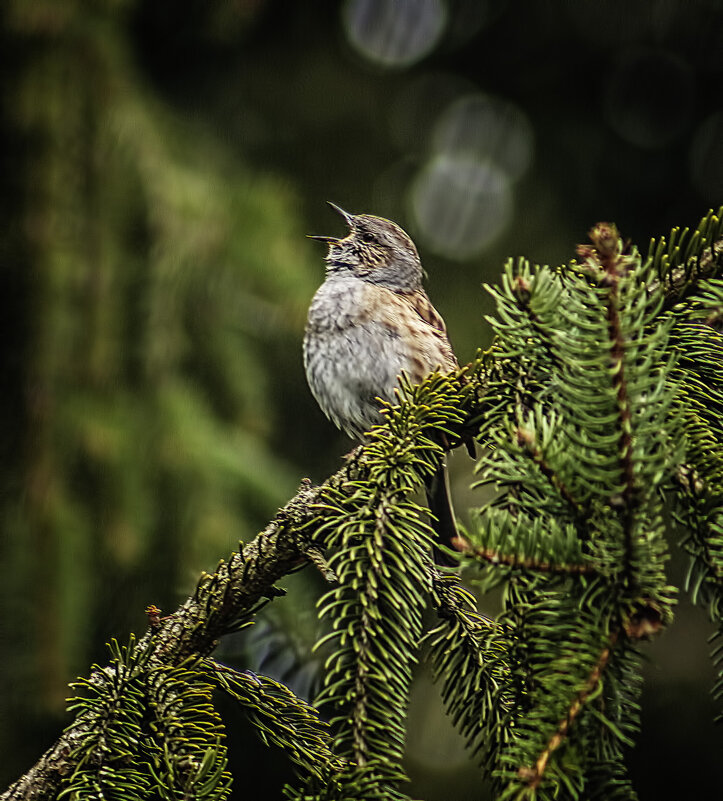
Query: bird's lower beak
332	240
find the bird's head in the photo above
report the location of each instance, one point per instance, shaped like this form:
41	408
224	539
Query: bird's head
375	250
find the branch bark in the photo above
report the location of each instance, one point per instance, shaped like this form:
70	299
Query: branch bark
684	279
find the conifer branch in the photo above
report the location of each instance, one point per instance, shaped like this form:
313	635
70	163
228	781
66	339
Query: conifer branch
521	290
608	255
684	259
526	439
453	602
529	563
533	776
681	280
282	718
234	590
363	667
470	654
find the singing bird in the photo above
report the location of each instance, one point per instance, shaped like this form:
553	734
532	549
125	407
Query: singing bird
369	322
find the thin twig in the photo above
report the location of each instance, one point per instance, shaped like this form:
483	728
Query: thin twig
533	776
531	563
527	440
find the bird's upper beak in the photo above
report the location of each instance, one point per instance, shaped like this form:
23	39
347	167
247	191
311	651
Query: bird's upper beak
345	214
333	240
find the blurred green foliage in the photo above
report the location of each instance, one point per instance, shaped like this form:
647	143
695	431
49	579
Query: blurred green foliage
149	272
161	164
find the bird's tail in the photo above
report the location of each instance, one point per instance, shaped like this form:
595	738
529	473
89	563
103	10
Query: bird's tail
440	505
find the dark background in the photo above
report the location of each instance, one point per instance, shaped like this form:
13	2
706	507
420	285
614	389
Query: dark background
161	163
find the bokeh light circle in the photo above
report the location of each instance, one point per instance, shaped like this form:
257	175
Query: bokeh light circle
461	204
415	111
486	128
394	33
650	97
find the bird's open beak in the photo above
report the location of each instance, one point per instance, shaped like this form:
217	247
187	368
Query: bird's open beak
333	240
345	214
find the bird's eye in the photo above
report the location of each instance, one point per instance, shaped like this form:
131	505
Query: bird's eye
367	237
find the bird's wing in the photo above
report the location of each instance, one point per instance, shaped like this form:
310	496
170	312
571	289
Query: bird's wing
422	307
412	318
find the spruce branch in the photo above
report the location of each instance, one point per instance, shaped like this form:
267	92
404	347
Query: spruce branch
470	654
381	555
526	438
643	621
218	603
601	427
517	562
520	289
533	776
699	374
684	259
106	761
281	718
607	255
187	753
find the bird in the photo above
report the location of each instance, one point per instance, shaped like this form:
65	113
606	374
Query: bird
370	321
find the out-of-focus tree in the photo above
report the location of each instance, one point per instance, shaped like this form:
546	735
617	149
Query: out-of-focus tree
149	278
